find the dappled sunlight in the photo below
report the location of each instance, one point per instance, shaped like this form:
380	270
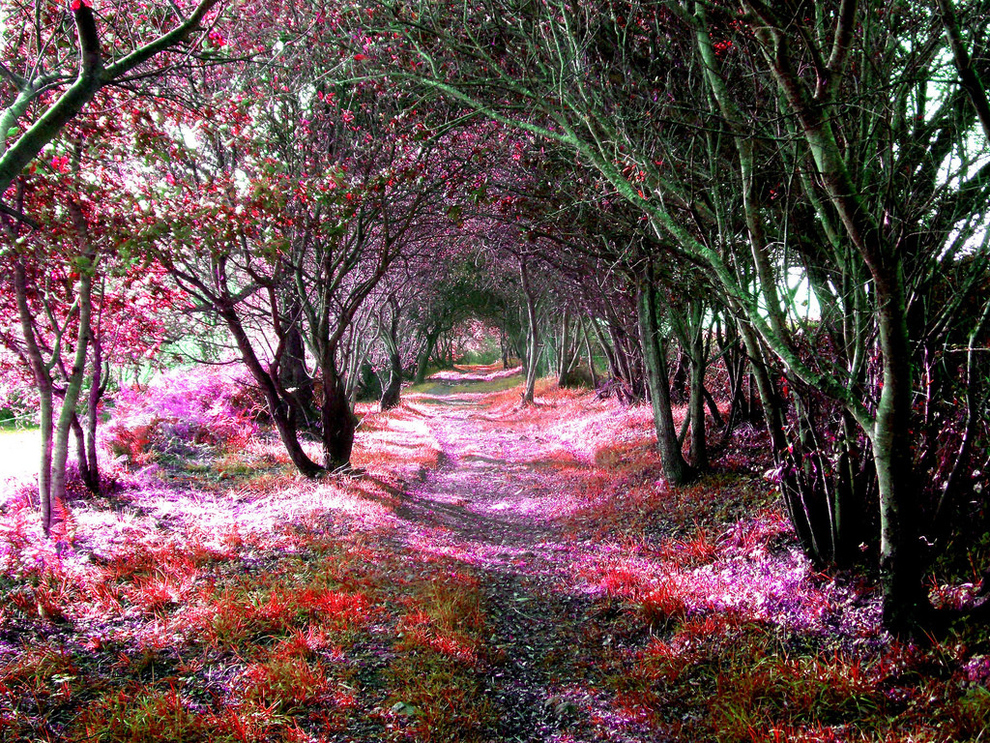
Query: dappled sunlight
480	373
399	442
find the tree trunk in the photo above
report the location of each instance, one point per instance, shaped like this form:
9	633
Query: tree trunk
633	386
533	338
73	388
901	565
591	358
423	360
566	360
338	422
770	401
608	350
391	395
696	400
43	381
96	390
389	334
281	408
294	377
354	376
79	436
855	476
675	468
680	383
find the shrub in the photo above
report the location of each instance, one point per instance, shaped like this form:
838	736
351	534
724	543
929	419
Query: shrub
182	409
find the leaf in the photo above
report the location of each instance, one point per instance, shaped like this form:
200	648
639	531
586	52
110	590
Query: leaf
406	709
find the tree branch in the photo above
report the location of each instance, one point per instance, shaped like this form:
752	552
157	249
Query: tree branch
91	77
967	75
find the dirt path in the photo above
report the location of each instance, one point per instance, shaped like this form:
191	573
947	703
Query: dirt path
491	505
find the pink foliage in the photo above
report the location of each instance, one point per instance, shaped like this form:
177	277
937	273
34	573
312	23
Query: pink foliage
203	405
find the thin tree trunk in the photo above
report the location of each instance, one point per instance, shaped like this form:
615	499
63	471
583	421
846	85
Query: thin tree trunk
79	437
696	400
423	360
390	338
770	401
591	358
43	381
901	565
566	359
533	340
96	390
609	351
675	468
73	388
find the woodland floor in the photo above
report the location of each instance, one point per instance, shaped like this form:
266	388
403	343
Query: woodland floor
493	504
493	572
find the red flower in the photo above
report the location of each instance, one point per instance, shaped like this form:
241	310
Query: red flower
357	57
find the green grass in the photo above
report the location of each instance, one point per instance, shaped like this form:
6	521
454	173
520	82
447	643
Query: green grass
468	387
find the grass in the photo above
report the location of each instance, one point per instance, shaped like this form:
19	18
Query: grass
240	603
453	388
746	682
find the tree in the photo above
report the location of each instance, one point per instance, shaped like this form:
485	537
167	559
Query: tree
288	211
45	82
70	309
630	91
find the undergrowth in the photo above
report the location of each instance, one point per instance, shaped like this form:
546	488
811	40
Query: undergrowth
215	596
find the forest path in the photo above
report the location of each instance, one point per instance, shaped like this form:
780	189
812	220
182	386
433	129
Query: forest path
491	505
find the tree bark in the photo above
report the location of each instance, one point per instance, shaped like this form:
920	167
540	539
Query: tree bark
901	566
675	468
338	422
696	400
391	395
282	411
96	390
67	413
533	337
591	358
390	338
43	379
293	375
566	360
423	359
